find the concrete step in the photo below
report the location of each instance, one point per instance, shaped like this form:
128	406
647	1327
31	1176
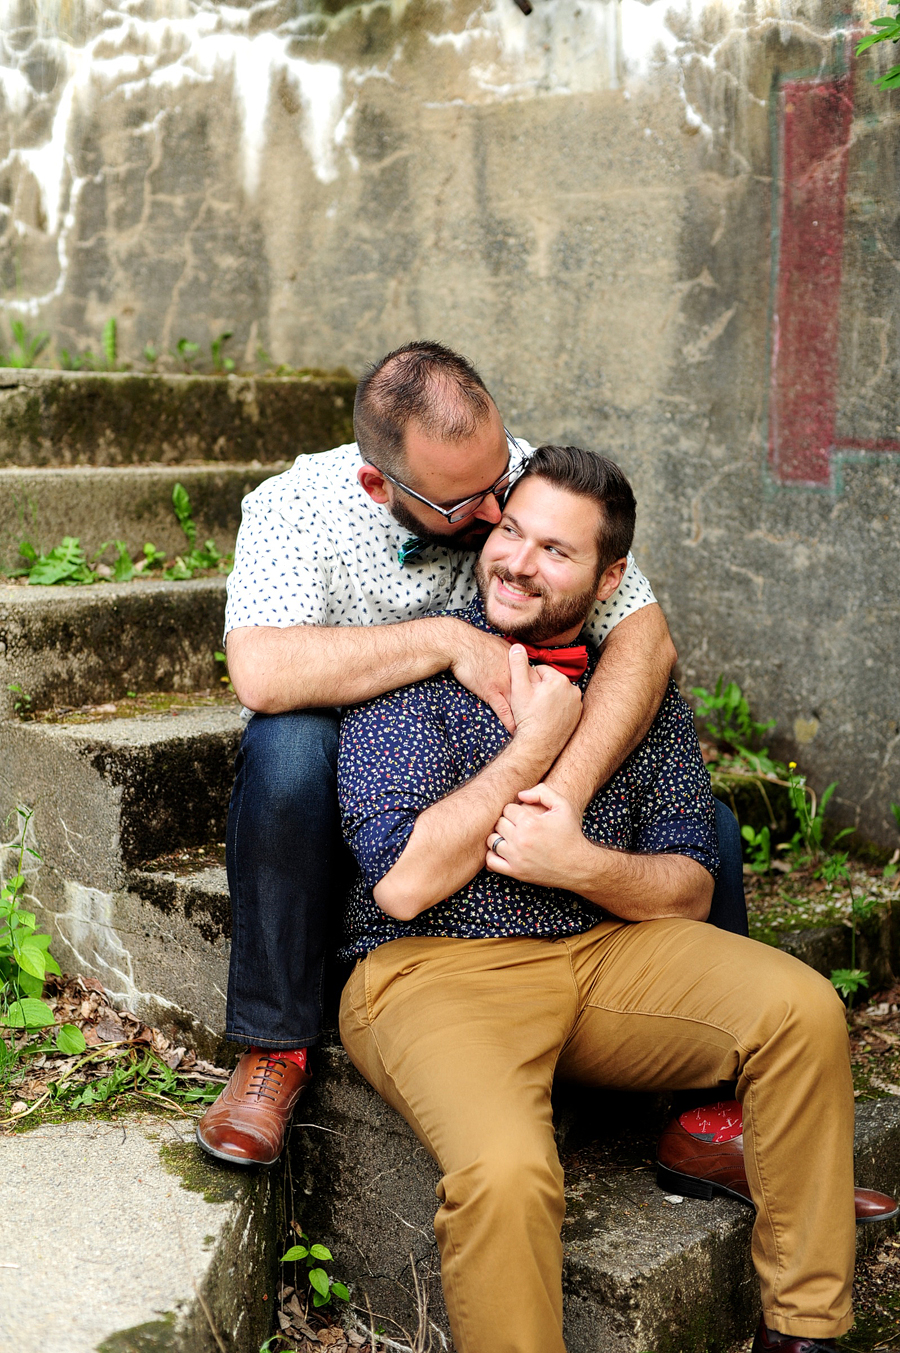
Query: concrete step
133	504
172	1252
641	1272
121	418
106	797
75	646
828	947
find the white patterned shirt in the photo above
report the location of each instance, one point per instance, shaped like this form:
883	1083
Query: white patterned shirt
314	549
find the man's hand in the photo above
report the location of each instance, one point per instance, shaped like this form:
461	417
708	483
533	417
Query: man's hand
541	837
542	842
445	850
545	705
480	662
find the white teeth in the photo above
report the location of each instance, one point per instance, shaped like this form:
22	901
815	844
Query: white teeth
511	587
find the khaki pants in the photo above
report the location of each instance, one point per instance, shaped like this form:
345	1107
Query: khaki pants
464	1037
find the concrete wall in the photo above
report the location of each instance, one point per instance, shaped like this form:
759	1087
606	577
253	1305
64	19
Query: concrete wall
674	239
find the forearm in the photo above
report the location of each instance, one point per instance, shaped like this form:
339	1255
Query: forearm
446	848
310	666
620	704
641	887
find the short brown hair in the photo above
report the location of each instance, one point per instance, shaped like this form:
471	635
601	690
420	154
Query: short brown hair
591	476
422	381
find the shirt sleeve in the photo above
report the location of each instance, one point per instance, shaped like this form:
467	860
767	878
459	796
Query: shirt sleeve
394	762
282	573
632	593
676	814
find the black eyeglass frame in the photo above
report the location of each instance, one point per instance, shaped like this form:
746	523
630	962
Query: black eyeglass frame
466	507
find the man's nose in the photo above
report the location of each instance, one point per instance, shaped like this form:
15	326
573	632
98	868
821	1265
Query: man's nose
489	510
521	560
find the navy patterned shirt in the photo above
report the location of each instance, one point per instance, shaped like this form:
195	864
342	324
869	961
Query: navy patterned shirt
405	750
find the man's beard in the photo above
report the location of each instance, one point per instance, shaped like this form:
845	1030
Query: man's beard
556	616
470	538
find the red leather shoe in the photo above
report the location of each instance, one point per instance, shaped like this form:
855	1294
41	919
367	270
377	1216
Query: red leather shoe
701	1153
787	1343
248	1122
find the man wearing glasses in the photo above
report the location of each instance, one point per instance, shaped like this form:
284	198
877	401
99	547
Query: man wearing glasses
337	565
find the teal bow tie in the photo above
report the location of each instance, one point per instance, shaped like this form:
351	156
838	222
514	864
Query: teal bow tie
411	549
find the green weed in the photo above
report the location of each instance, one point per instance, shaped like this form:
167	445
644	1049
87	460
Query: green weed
23	703
67	564
186	353
195	559
26	348
760	847
25	959
221	365
313	1256
889	32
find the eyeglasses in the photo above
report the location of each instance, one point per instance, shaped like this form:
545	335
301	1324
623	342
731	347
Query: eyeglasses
515	467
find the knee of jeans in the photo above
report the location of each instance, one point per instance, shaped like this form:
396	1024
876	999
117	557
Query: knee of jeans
289	753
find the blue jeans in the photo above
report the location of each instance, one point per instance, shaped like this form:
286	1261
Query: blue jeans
289	872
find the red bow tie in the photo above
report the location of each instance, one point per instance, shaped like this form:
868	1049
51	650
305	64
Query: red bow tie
572	662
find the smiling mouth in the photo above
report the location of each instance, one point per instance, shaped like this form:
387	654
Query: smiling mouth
513	589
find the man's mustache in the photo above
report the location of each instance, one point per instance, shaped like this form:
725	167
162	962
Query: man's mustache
523	584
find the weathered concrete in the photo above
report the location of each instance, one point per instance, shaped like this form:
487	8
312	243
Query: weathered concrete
670	236
639	1271
131	789
106	797
828	947
71	646
134	505
124	418
177	930
161	1233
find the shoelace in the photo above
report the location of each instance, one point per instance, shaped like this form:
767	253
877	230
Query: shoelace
266	1080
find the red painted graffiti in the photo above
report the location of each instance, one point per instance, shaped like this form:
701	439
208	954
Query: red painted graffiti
815	118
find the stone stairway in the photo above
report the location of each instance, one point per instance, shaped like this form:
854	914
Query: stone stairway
128	803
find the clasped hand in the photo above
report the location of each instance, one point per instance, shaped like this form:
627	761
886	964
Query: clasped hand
541	832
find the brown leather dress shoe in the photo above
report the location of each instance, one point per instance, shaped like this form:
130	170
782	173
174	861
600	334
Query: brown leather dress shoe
702	1153
786	1343
247	1123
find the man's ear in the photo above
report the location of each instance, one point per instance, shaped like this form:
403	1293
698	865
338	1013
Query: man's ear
374	483
610	579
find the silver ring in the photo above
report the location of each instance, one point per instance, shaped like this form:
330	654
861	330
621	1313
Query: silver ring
495	843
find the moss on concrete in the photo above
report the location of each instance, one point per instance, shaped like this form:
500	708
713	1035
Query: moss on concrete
201	1174
63	418
156	1336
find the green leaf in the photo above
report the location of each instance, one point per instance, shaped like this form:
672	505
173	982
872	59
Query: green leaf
179	572
849	980
123	568
70	1040
339	1290
182	505
28	1014
294	1253
28	985
320	1300
153	555
320	1252
318	1279
109	343
31	957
